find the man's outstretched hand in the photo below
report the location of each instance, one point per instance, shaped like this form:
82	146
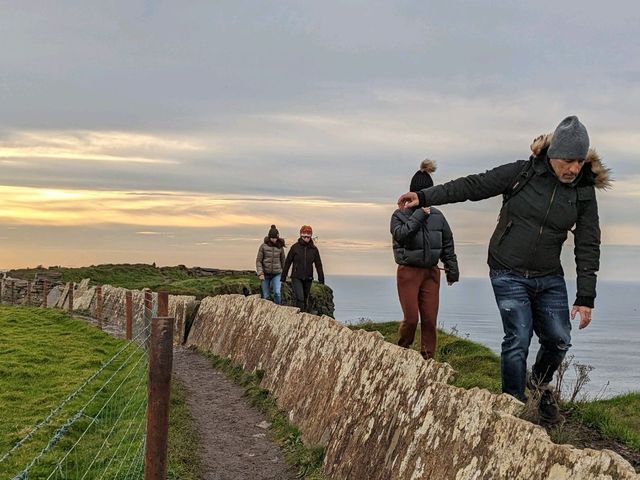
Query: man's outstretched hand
408	200
585	315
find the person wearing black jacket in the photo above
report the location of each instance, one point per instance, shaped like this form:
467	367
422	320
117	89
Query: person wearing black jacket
421	238
303	255
544	198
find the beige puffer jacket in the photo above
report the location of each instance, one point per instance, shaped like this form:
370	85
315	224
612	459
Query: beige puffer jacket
270	259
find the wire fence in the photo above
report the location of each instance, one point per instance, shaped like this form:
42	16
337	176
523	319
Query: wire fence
97	432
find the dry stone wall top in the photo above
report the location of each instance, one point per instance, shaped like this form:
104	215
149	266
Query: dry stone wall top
381	411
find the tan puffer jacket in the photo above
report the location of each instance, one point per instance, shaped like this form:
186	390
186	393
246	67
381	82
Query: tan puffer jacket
270	259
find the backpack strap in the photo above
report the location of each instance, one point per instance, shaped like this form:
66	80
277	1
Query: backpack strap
520	181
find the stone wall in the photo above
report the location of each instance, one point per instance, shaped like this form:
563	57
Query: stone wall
181	307
24	292
381	411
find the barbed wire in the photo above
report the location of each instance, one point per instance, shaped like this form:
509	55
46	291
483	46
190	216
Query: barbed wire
115	453
124	409
127	453
138	463
79	414
128	415
70	397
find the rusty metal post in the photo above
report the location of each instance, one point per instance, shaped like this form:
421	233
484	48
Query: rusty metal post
128	311
158	392
163	304
28	293
99	305
13	292
45	292
71	287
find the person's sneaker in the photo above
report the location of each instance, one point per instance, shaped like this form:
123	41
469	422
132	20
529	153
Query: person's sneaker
548	409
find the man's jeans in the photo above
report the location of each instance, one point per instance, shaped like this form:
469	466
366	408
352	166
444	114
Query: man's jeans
530	305
271	282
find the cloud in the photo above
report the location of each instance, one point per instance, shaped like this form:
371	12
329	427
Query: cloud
57	207
214	121
118	147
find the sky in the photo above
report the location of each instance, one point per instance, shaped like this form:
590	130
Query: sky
178	132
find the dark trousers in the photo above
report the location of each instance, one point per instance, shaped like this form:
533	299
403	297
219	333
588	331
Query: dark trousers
419	294
301	289
529	305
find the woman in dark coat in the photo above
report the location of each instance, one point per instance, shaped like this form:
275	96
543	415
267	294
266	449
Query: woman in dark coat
303	255
421	238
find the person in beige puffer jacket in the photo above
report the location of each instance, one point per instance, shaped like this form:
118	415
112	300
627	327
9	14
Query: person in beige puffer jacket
269	263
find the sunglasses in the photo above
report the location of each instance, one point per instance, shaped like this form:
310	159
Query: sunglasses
305	235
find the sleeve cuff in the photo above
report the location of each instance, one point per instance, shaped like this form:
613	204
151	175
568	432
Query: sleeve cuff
584	301
421	199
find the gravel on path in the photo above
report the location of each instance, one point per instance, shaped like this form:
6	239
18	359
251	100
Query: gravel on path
234	443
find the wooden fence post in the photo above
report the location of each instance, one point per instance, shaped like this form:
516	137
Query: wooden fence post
28	293
163	304
13	292
158	391
45	292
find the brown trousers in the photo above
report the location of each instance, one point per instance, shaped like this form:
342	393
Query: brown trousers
419	293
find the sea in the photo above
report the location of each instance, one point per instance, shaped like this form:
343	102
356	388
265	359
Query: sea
610	345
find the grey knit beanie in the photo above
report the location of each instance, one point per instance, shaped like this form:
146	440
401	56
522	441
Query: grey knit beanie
570	140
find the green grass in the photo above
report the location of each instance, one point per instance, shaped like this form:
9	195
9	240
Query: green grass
475	365
44	356
184	461
617	417
138	276
178	280
307	460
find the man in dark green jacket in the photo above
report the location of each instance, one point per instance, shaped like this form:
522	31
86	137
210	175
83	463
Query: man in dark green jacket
544	198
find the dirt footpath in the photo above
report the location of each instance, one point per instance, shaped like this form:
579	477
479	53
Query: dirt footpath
232	445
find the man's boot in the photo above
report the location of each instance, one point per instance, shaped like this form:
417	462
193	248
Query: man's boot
549	410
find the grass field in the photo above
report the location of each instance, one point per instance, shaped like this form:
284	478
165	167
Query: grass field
179	280
45	356
175	280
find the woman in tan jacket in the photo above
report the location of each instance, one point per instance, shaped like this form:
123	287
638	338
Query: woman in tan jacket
269	263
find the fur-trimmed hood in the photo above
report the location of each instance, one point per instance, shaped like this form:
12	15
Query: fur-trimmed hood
601	173
279	243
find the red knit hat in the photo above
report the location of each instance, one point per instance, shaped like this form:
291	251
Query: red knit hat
306	229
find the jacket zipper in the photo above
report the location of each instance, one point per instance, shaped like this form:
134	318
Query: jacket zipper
544	221
305	261
506	230
425	243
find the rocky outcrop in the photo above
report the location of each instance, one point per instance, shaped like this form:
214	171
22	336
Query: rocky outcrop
380	410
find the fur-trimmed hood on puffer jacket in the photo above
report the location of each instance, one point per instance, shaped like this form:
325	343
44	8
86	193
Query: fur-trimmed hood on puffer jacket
279	242
534	223
602	179
271	257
